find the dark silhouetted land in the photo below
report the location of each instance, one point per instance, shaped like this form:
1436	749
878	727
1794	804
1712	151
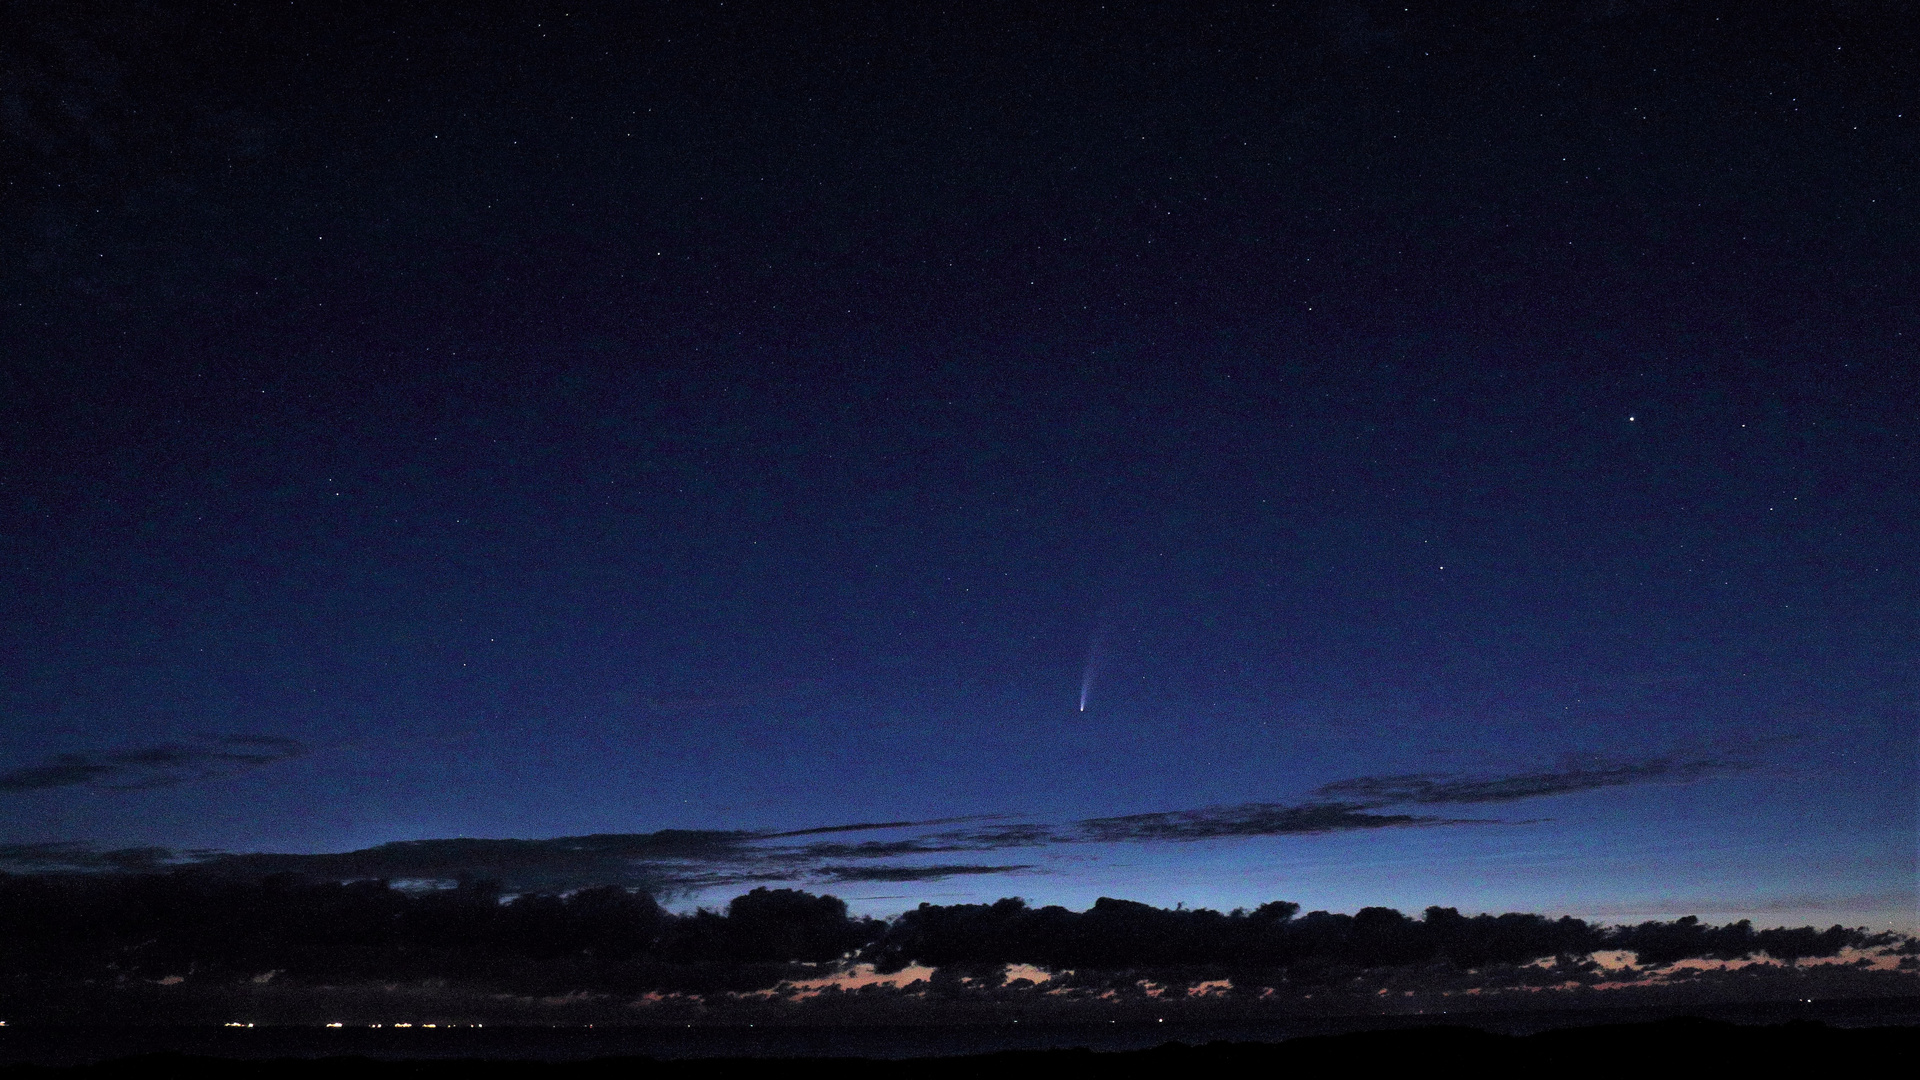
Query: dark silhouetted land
1664	1048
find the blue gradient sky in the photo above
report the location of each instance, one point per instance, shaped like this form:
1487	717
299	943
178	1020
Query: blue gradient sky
585	449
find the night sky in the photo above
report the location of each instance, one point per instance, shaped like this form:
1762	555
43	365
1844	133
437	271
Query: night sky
1464	454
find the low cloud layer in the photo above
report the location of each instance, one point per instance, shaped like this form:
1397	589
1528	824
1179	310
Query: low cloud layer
678	862
164	765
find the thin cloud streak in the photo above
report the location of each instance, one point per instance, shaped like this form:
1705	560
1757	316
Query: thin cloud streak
844	874
165	765
866	826
1246	819
1433	789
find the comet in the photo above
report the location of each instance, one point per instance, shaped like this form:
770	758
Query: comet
1092	669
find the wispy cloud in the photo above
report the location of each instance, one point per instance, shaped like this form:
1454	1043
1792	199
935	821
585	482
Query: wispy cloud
683	862
70	857
865	826
991	838
1246	819
667	861
1431	789
843	874
163	765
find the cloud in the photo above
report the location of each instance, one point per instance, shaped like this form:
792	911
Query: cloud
1246	819
844	874
876	849
1000	836
1207	823
164	765
682	862
865	826
1431	788
70	857
667	861
992	838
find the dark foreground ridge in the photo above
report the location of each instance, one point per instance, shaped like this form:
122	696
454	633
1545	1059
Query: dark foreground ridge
1667	1047
190	949
187	927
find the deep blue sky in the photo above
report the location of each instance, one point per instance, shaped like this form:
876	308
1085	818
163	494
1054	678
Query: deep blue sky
728	417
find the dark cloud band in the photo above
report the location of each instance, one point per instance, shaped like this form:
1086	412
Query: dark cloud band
845	874
1247	819
1431	789
164	765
